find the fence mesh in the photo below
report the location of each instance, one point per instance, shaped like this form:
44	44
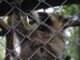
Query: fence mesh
34	44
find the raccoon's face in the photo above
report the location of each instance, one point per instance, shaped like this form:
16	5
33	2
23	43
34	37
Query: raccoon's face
55	22
38	17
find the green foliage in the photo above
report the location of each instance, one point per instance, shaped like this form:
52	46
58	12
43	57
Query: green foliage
68	10
71	10
71	49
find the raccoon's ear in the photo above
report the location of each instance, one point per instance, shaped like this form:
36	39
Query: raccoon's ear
64	20
61	19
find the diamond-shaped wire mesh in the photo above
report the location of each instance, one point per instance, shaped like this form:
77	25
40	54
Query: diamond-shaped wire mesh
35	41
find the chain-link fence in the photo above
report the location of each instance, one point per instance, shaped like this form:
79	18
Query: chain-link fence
41	39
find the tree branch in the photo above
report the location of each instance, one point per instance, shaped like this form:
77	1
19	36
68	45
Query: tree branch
73	24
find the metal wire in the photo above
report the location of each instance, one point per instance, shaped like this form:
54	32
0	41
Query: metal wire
33	31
